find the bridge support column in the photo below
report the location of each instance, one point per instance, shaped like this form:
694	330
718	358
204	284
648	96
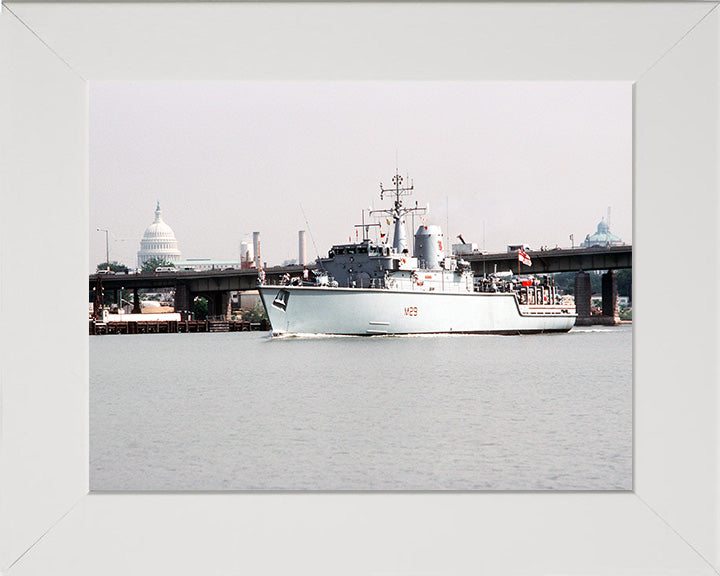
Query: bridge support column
99	302
610	314
226	301
583	291
184	300
136	302
214	304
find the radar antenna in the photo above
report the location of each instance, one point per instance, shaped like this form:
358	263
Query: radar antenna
398	191
397	212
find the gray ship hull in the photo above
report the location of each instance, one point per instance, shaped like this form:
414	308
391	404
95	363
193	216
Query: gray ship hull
356	311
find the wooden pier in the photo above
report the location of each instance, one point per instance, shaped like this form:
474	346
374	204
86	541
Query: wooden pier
175	326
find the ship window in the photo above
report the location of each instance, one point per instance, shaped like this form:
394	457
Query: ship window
331	253
351	251
362	250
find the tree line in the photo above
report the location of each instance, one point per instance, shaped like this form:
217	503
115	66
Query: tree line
120	268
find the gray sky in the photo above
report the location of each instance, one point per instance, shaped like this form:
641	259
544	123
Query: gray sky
532	162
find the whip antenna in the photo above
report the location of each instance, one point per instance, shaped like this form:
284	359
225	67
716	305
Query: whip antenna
317	252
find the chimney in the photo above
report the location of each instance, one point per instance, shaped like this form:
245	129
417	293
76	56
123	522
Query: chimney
256	249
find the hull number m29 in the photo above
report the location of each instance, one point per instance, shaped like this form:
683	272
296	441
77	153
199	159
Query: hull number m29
411	311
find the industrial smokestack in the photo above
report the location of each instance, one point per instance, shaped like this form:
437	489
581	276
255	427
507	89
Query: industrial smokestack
256	249
247	260
302	260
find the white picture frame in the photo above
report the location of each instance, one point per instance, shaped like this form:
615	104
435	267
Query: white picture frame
668	524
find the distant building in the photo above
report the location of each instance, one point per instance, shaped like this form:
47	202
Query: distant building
247	255
203	264
603	237
158	241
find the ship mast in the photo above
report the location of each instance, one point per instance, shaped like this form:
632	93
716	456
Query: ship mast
366	227
398	212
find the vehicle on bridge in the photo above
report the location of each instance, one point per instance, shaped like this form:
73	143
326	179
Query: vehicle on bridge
369	288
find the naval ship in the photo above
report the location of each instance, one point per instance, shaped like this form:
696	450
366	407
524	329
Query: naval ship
373	288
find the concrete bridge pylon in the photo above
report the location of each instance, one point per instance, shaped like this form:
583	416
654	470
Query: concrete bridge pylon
583	292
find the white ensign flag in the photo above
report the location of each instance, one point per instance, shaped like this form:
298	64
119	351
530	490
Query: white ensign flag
524	258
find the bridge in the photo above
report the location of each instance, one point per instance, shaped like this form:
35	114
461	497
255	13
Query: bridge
213	285
216	285
555	260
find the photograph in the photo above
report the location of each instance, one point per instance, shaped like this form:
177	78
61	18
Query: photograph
360	286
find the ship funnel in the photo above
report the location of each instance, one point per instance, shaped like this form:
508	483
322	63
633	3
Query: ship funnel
400	242
429	247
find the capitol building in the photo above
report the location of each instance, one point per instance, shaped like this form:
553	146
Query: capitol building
158	241
602	237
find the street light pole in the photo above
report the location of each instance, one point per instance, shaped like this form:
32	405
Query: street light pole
107	247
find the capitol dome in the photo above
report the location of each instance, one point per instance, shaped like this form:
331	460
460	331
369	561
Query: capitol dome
603	237
158	241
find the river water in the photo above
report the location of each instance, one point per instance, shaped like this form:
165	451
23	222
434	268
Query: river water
244	411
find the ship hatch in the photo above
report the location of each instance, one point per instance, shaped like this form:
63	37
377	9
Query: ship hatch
281	299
